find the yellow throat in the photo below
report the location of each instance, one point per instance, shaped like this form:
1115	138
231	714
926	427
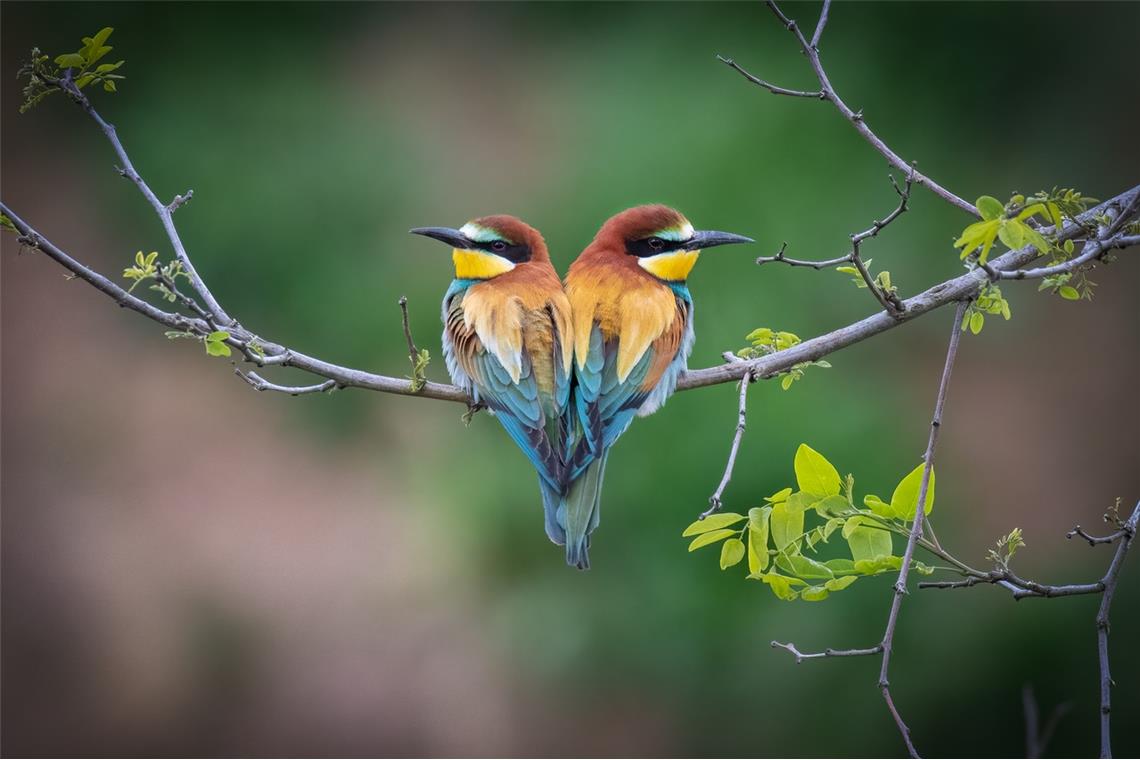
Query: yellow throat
671	267
477	265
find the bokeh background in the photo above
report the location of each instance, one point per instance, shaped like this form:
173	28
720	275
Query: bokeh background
190	567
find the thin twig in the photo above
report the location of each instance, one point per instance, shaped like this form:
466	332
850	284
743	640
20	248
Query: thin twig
179	201
768	85
737	437
164	212
261	384
1094	540
412	351
888	299
827	92
1110	580
1093	249
820	25
801	656
916	527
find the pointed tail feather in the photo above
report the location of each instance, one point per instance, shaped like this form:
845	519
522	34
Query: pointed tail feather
551	500
581	511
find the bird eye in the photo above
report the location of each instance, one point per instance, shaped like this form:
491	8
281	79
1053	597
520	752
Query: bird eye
498	245
656	243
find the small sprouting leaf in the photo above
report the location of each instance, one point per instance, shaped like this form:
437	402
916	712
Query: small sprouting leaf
848	270
814	474
1069	247
990	208
70	60
7	223
1069	293
731	552
101	36
714	521
710	538
977	320
787	381
904	501
108	85
217	336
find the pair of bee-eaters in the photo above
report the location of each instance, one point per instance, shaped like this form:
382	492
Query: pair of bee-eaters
566	367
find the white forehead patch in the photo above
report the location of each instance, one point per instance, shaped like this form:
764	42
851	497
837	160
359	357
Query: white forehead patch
676	234
481	234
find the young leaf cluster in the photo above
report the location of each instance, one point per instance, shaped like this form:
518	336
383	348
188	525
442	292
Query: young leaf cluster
1008	223
46	75
147	267
882	280
783	545
419	369
989	301
766	341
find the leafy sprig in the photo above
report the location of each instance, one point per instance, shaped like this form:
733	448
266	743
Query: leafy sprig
783	552
766	341
81	69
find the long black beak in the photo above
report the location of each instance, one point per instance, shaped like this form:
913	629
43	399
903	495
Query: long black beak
710	238
454	238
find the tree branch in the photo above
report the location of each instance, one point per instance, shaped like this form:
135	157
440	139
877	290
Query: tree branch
955	289
1109	581
827	92
737	437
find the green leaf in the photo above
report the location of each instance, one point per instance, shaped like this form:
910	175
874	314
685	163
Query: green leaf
781	585
710	538
70	60
731	552
803	567
214	348
787	381
904	501
1012	233
878	565
814	474
814	594
841	566
990	208
838	584
108	85
831	506
101	36
1069	293
848	270
868	543
1055	215
878	506
786	524
714	521
781	495
977	319
218	335
758	538
987	244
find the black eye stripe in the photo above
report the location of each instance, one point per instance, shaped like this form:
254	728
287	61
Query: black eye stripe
652	246
514	252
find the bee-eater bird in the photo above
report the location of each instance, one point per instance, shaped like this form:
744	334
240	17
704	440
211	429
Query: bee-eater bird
633	332
507	340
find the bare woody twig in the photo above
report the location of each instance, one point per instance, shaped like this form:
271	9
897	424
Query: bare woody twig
916	527
738	436
1110	579
827	92
886	645
887	298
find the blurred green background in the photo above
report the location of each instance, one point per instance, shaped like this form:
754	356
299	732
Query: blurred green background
193	568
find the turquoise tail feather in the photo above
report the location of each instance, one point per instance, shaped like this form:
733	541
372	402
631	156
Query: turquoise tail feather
551	500
581	512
